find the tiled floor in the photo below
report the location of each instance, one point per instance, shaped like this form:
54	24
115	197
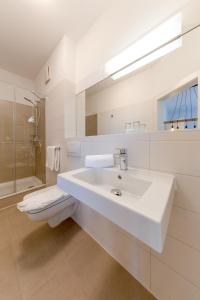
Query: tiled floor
40	263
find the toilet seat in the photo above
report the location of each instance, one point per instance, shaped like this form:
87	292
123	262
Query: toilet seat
42	199
51	204
68	201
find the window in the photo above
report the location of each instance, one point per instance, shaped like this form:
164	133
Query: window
179	110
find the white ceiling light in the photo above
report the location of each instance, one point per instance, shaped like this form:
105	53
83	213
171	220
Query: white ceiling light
148	59
150	42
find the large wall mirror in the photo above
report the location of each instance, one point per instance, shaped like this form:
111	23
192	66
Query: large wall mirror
157	90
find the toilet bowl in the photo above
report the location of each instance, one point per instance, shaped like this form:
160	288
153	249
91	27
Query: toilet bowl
49	204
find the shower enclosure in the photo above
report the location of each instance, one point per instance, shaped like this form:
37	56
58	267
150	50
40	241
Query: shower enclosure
22	140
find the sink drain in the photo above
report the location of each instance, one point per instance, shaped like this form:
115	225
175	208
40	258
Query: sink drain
116	192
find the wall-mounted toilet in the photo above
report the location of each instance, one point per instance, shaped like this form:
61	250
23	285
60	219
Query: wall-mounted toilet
49	204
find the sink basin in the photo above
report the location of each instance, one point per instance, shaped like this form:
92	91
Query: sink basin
139	201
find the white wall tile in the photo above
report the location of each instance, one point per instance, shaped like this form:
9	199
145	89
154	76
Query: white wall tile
138	153
182	259
135	260
122	138
187	195
55	122
182	135
168	285
103	227
127	250
176	157
90	148
185	226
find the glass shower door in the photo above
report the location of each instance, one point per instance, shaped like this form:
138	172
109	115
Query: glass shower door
22	140
25	148
7	147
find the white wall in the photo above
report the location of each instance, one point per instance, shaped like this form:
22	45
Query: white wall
14	87
62	66
60	98
175	274
116	29
80	114
16	80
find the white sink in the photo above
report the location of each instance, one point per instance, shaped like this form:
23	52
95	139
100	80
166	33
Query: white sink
144	207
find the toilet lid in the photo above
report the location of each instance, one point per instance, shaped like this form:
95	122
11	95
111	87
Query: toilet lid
42	199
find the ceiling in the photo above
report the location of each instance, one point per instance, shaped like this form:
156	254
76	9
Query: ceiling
30	29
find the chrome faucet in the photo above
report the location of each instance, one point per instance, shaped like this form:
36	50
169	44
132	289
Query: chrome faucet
121	158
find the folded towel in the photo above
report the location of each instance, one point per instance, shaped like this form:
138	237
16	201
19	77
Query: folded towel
42	199
53	158
50	157
57	159
99	161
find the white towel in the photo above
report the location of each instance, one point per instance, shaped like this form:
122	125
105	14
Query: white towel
99	161
50	157
53	158
57	159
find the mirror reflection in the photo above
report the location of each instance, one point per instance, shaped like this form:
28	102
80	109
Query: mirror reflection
158	91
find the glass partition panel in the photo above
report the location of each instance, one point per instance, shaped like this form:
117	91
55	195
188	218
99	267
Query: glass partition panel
7	148
22	140
25	151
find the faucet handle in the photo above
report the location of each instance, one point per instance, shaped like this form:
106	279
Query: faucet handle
122	150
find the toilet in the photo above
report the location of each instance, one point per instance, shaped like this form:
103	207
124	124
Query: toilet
49	204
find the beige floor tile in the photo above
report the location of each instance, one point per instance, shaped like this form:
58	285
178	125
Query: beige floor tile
40	254
9	285
59	264
36	254
4	230
32	265
102	277
20	225
63	285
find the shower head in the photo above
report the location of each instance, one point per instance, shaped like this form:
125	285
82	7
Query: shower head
31	120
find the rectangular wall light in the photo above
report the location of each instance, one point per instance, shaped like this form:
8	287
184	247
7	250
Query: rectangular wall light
150	42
